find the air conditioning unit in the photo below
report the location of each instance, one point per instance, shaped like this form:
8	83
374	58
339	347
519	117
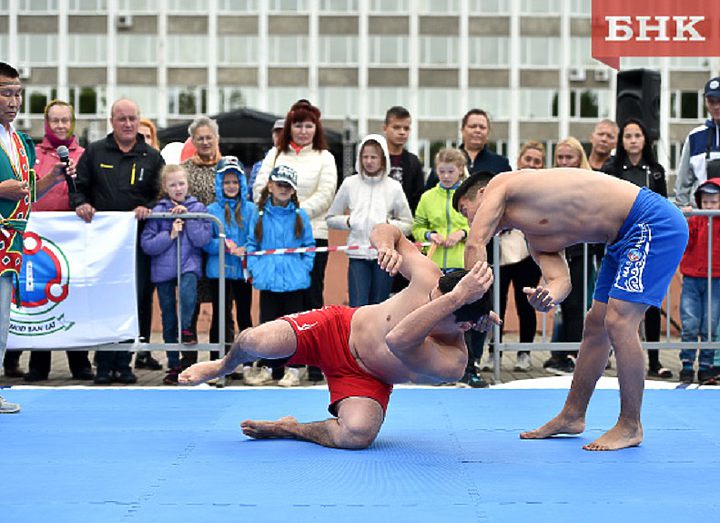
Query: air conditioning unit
25	72
576	74
124	21
602	75
23	124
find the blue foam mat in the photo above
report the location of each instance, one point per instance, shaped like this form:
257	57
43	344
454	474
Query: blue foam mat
443	454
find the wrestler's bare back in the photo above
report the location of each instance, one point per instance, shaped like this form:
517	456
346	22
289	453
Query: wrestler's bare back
371	324
556	208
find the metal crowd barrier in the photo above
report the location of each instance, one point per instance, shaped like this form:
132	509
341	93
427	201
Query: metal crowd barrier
545	345
146	345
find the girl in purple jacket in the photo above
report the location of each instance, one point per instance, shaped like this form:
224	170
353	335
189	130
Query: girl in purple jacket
160	240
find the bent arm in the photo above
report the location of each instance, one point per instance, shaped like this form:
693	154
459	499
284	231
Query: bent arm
485	223
396	253
555	272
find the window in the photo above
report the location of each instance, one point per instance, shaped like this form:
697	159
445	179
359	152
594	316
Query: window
237	50
388	50
281	98
37	49
580	7
338	6
288	50
338	102
448	7
37	97
88	100
87	6
438	103
232	98
184	50
187	100
136	6
38	6
291	6
535	7
380	99
145	96
538	103
580	52
186	6
488	51
539	51
238	6
686	105
438	50
493	100
338	50
389	6
87	49
589	103
137	49
486	7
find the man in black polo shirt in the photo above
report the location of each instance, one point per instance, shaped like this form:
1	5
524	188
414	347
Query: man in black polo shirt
121	173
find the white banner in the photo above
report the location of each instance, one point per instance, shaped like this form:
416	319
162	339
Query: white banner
78	282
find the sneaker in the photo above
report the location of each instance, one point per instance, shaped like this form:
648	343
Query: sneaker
146	361
291	377
687	376
471	380
187	337
8	408
34	375
560	366
261	376
488	362
707	377
523	362
314	374
171	378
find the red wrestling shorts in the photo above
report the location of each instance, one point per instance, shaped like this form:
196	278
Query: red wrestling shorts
323	340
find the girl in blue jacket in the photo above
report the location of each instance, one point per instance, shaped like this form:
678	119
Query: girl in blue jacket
159	240
279	222
235	212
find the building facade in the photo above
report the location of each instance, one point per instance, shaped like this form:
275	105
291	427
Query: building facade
527	63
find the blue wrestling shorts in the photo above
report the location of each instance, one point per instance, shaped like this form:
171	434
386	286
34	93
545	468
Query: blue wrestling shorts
641	262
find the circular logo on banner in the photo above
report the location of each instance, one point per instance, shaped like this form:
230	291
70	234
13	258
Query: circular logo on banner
44	284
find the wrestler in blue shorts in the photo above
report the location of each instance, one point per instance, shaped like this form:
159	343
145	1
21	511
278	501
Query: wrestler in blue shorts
641	262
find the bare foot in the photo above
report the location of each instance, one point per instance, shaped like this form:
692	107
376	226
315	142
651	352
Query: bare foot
201	372
618	437
557	425
269	429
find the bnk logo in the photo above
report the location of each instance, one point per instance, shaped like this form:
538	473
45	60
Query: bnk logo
654	28
44	284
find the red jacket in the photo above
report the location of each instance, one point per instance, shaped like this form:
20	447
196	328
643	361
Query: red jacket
56	199
695	260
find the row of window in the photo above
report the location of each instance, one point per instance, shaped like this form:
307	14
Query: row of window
447	7
341	102
293	50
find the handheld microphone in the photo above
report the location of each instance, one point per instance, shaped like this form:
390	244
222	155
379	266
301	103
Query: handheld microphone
64	156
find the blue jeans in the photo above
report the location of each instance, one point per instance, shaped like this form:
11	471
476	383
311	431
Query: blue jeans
6	288
188	298
367	283
694	317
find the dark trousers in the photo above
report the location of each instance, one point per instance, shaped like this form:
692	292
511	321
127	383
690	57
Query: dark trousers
108	361
524	273
652	333
40	361
314	294
573	308
276	304
239	292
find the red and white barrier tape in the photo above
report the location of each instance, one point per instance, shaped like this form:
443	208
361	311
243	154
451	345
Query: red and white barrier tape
301	250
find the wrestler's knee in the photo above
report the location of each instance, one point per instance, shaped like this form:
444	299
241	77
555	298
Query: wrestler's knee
360	421
622	321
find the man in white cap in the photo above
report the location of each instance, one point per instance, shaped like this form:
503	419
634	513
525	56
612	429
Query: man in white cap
700	158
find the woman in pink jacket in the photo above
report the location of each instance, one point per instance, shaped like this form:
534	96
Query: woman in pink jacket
59	130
